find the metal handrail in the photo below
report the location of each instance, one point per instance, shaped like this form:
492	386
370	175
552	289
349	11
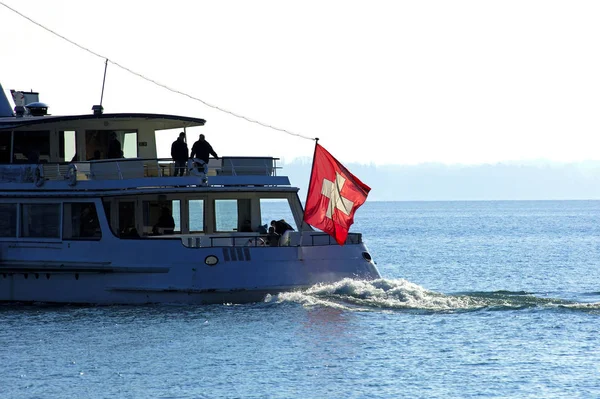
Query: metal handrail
191	241
146	167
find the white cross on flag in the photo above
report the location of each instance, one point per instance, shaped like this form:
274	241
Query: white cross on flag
333	196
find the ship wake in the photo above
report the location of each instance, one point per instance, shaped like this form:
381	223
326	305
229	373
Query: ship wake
400	294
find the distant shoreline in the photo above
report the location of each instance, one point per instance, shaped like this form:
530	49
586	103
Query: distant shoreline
501	182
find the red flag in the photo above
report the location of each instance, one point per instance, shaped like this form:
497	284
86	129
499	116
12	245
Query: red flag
333	196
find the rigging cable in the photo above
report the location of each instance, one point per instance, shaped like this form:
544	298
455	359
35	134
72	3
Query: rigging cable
154	81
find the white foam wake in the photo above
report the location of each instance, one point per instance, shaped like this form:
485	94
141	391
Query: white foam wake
362	295
381	293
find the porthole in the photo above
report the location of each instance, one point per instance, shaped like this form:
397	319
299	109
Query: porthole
211	260
367	256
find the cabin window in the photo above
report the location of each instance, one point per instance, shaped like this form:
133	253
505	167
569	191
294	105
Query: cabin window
40	220
8	220
80	221
176	206
130	146
99	144
276	209
5	148
107	212
127	224
157	217
226	215
196	215
31	147
67	146
121	215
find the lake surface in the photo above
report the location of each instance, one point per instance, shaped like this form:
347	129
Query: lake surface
479	300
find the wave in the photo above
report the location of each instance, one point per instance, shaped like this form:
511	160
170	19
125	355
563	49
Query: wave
400	294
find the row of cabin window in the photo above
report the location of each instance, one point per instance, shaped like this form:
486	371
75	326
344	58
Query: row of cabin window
37	146
80	221
226	215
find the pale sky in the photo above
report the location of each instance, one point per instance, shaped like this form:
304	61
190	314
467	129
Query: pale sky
384	82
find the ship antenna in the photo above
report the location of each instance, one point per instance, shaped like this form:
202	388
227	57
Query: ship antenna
99	109
103	80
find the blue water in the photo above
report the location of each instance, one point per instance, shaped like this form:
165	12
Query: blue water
479	300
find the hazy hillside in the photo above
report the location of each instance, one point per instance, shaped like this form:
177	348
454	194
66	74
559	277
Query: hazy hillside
433	182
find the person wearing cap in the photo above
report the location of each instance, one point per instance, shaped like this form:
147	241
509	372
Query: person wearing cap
179	153
202	150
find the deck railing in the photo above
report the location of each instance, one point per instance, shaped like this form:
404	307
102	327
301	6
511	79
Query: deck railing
293	239
130	168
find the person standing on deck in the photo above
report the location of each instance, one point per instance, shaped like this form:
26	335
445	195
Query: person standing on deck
202	149
114	147
281	226
179	153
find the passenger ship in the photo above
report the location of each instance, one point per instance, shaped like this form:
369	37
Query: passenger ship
81	231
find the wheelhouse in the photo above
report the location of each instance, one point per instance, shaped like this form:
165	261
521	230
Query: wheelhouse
59	139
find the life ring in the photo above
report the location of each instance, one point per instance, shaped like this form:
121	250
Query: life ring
197	167
38	176
71	175
258	243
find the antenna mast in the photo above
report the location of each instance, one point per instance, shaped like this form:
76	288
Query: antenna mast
99	109
103	80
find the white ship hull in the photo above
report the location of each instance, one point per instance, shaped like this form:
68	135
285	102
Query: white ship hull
143	271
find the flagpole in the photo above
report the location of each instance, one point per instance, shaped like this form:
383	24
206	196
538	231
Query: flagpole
312	168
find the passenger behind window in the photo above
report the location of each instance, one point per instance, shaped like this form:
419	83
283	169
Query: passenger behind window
130	232
96	156
88	222
33	156
246	227
165	223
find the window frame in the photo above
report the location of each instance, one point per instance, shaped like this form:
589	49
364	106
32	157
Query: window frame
21	229
80	237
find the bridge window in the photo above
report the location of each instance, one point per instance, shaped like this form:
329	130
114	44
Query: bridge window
99	142
67	148
31	147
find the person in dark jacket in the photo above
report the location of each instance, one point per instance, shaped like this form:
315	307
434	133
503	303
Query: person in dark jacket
281	226
179	153
96	157
202	149
165	222
272	238
114	147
